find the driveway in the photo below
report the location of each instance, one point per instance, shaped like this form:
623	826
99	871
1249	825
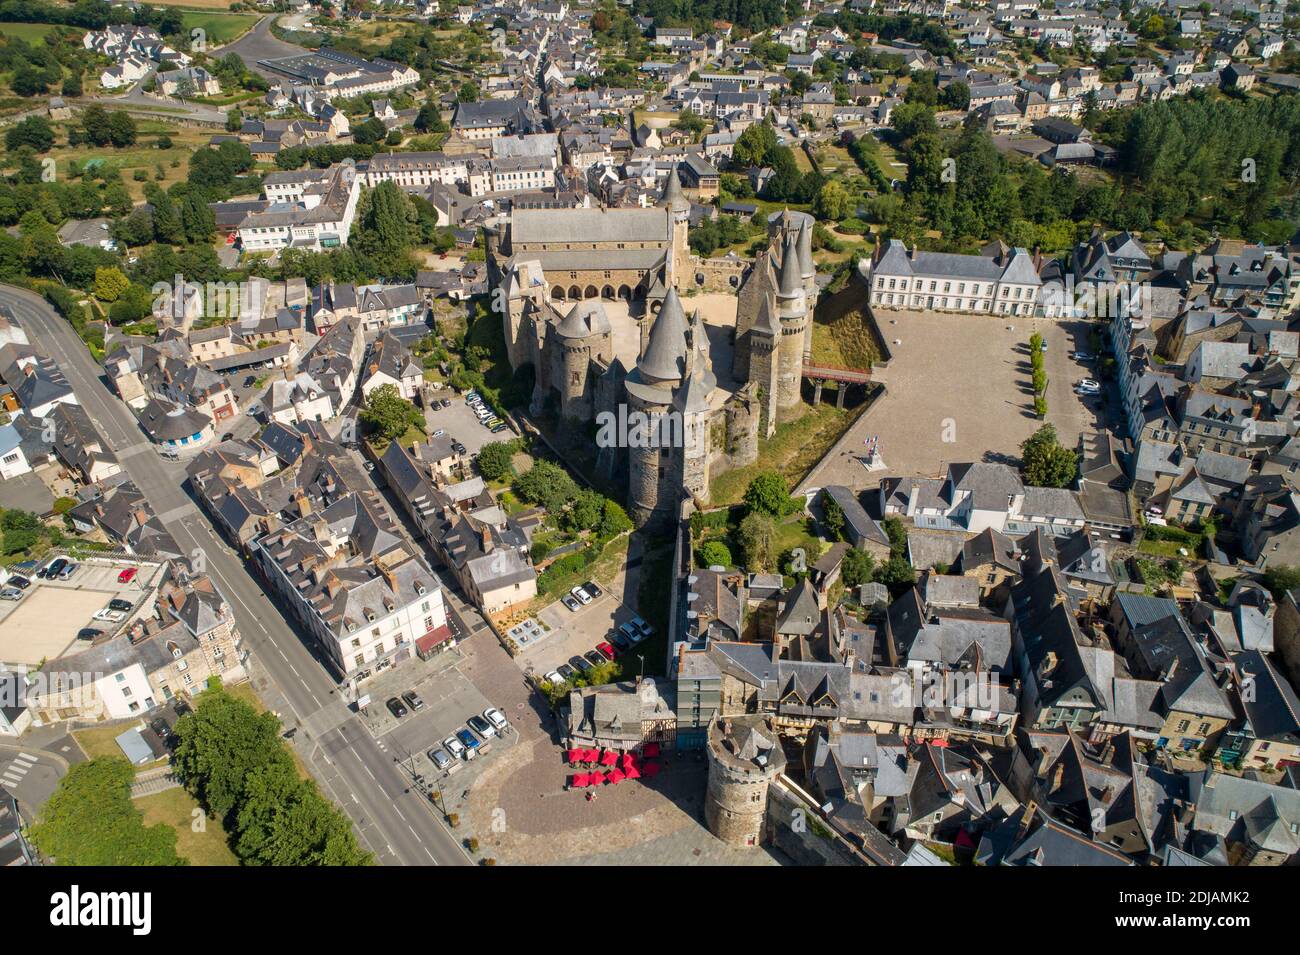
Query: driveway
958	389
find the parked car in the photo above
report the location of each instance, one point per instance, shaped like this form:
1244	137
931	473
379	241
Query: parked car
496	718
52	570
112	616
499	428
553	678
1083	357
592	589
128	575
605	650
579	663
68	571
595	658
455	747
581	595
569	601
440	758
19	581
470	741
413	701
629	634
89	633
439	433
641	625
1088	386
10	593
117	603
481	726
566	672
396	707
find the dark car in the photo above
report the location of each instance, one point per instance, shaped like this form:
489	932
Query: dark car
595	658
52	570
579	663
89	633
117	603
228	436
413	701
620	640
566	671
481	726
592	590
396	707
19	581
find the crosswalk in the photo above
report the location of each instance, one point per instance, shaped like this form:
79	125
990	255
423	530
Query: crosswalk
14	773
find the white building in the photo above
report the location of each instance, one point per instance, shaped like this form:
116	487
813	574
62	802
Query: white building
1006	284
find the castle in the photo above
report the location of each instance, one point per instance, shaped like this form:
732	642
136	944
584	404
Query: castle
559	274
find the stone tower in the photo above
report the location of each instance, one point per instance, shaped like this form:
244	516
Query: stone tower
758	285
584	334
764	343
691	402
744	757
792	312
654	480
679	213
808	272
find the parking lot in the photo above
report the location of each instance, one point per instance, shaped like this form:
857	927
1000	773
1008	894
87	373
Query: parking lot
958	389
460	422
44	623
572	633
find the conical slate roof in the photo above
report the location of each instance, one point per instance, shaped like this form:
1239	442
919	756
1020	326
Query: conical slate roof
585	318
694	393
665	353
674	199
806	265
767	320
791	274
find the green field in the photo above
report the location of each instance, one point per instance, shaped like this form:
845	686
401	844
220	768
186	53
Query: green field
31	32
220	27
177	808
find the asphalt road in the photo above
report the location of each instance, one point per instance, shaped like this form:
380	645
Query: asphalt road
260	43
394	822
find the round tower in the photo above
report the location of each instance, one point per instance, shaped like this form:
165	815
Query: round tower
792	311
744	757
653	463
679	224
580	335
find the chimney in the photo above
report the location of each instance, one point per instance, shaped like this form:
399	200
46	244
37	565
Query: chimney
1058	777
141	516
1108	753
1169	671
485	538
302	502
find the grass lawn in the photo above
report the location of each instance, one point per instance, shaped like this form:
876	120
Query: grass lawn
220	28
31	32
143	155
176	808
794	448
100	741
1169	548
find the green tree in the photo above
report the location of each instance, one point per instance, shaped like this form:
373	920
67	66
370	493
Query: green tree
832	201
713	554
586	510
1044	462
832	518
767	494
110	284
34	131
547	485
121	129
1279	579
494	460
91	821
613	521
856	568
284	821
387	413
756	537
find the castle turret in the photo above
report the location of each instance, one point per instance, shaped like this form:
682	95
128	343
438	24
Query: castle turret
808	272
792	307
764	345
654	452
691	402
744	758
584	334
679	213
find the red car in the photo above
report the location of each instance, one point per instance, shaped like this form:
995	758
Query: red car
128	575
605	650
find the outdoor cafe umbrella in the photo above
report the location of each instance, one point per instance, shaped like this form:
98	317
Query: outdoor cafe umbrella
615	777
628	760
590	755
597	778
609	759
575	756
650	770
581	780
632	773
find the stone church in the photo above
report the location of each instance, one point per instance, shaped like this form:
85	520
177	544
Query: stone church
555	271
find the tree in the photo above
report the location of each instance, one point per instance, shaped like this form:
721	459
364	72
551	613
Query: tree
34	131
585	512
110	284
494	460
121	129
547	485
753	146
1044	462
234	120
713	554
832	518
757	539
91	821
613	521
896	574
387	413
767	494
284	821
369	132
95	125
831	202
1279	579
856	568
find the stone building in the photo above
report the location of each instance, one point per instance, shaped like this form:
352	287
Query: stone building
744	757
554	273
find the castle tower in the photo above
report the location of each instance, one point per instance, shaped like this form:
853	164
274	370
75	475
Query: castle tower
764	343
679	214
654	482
744	758
691	402
792	311
758	285
808	271
584	334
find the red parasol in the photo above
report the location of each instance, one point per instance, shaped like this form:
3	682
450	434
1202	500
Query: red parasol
609	759
597	778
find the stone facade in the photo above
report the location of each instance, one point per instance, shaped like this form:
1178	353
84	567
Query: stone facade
744	758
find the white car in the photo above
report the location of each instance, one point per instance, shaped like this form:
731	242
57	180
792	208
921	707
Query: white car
581	595
455	747
554	678
496	718
112	616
